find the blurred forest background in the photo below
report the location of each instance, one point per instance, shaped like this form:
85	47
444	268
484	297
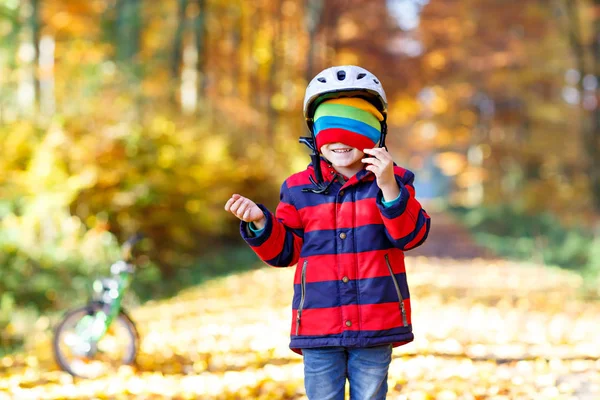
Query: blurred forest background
118	116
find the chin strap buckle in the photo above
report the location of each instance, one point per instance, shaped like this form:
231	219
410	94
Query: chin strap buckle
321	188
308	142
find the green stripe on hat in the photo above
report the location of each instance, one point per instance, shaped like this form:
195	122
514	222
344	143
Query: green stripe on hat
340	110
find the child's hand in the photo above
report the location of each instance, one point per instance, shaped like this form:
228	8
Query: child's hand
246	210
382	165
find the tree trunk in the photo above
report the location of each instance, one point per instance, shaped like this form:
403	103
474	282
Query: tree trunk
128	29
331	42
591	122
256	88
35	33
201	38
236	38
593	133
178	39
27	78
273	73
314	11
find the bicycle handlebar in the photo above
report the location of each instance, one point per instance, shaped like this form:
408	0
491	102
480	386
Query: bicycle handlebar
134	239
128	245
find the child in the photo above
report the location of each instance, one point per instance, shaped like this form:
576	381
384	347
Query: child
346	222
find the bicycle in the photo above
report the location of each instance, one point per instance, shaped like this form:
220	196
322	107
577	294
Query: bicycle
99	336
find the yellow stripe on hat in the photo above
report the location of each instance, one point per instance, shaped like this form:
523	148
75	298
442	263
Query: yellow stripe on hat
358	103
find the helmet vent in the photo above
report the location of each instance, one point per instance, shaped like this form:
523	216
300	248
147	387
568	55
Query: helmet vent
361	75
341	75
322	80
376	81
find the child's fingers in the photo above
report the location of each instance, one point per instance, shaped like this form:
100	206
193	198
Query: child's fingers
246	210
379	152
242	208
373	168
229	204
372	160
231	200
372	152
236	204
246	215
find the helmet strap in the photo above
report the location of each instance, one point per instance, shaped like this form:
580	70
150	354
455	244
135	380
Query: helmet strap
315	156
311	143
383	133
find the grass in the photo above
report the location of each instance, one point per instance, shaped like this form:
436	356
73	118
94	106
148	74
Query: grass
539	238
147	285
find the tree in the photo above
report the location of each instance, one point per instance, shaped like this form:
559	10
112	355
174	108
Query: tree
586	51
314	12
201	37
178	39
129	25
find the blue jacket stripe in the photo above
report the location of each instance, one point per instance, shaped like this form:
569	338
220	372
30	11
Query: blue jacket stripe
372	291
298	232
329	242
420	242
361	334
256	241
421	221
284	258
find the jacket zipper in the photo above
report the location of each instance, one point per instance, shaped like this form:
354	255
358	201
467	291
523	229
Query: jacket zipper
400	298
303	295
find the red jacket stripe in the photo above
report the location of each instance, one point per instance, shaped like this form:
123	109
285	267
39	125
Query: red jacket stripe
288	214
318	321
329	321
418	237
271	248
322	217
353	266
403	225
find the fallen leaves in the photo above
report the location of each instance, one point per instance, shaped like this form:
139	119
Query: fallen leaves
489	330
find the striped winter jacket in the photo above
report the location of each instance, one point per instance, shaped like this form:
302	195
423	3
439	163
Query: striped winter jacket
350	285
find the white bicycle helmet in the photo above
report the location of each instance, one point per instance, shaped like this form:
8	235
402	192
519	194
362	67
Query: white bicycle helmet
344	80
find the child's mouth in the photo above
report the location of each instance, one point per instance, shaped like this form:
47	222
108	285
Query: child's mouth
341	150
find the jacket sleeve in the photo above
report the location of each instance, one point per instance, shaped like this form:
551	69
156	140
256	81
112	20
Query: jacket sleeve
406	223
280	242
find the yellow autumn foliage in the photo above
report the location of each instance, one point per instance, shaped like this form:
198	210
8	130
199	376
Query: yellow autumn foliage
486	330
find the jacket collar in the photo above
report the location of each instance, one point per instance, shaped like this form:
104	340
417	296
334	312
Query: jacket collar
329	173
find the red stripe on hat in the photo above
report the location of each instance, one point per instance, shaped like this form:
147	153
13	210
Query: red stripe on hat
337	135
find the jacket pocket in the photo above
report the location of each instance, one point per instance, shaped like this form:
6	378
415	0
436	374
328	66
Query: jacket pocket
397	286
302	297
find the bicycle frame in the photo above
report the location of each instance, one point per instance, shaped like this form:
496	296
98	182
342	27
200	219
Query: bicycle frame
93	328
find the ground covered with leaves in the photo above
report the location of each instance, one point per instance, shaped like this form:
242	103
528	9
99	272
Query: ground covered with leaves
484	330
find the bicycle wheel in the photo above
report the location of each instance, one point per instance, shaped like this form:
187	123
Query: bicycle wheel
75	351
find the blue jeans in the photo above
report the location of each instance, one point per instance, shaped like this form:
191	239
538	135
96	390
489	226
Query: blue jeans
326	370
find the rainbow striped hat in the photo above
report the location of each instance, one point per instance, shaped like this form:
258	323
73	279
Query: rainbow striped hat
349	120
